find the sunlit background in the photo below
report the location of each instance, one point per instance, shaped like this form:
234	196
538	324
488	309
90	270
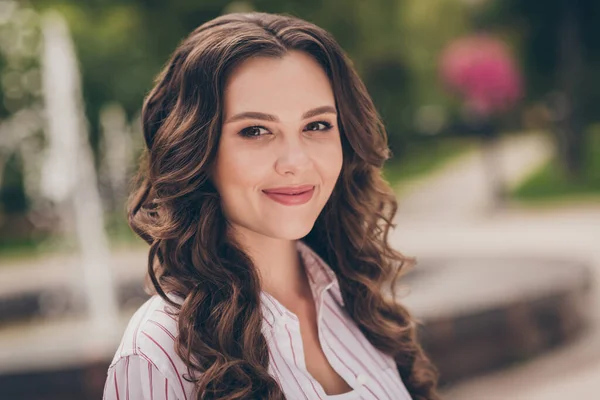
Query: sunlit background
491	107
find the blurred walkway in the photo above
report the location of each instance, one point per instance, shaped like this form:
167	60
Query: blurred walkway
460	192
52	338
450	215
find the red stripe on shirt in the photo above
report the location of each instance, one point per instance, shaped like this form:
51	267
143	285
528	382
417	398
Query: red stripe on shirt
289	369
354	357
161	326
116	386
127	378
150	380
343	321
170	360
296	362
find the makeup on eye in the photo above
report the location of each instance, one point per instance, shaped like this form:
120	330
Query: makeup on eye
327	125
248	131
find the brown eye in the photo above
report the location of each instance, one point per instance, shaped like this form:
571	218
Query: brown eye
252	132
318	126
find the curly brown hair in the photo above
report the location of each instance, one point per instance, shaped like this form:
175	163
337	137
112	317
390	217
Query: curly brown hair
177	210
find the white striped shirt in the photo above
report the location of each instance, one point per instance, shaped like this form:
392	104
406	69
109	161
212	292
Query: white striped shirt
147	367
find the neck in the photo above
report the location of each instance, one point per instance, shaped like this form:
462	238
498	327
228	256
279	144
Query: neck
277	262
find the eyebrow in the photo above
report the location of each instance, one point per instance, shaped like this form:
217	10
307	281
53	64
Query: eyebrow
269	117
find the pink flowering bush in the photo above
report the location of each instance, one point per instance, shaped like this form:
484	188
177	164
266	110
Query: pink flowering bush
482	71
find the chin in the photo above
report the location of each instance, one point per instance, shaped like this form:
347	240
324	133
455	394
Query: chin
291	232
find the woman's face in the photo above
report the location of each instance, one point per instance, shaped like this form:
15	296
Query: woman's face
279	130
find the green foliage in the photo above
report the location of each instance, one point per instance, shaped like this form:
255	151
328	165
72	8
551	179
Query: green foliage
424	157
12	196
427	27
12	249
549	183
540	27
122	44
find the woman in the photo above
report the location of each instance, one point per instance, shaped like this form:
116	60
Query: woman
262	200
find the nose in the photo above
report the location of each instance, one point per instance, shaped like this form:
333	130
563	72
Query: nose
292	157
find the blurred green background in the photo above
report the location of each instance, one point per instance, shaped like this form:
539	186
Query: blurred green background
395	45
467	184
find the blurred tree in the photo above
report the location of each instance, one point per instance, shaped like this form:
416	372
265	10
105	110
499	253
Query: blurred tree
423	30
426	29
562	55
388	81
20	118
122	44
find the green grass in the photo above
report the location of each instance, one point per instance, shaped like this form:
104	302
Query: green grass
118	232
550	184
14	249
424	158
24	248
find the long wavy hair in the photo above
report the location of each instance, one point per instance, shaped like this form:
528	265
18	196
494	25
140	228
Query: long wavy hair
175	208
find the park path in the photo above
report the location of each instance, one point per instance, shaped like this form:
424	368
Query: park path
451	214
459	192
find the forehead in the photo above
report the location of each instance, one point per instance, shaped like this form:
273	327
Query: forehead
285	86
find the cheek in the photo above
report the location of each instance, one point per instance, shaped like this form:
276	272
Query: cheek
331	163
232	181
237	170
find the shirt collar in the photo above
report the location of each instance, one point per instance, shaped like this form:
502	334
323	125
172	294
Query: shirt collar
320	276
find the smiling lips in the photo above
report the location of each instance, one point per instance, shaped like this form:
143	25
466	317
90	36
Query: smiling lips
291	195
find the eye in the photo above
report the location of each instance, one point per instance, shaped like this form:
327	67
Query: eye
318	126
252	132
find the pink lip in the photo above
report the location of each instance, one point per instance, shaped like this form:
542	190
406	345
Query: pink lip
291	195
289	189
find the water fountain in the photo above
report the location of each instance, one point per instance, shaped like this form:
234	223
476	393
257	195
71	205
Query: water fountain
59	316
117	151
69	176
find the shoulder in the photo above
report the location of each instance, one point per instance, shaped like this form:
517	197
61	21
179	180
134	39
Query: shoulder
150	335
151	323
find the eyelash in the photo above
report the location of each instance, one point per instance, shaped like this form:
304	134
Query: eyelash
244	131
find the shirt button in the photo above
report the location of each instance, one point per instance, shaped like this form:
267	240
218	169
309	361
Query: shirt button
362	379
